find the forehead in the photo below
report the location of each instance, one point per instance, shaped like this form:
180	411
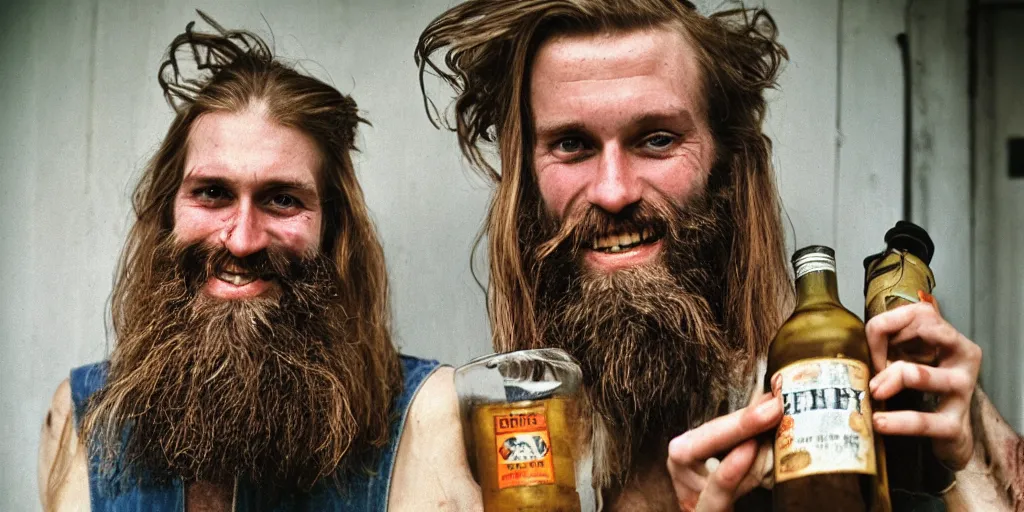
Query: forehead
248	146
655	67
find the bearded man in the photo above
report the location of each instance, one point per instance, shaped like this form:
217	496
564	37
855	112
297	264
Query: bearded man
636	224
253	366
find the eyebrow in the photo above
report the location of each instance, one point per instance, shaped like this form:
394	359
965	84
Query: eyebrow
276	184
547	131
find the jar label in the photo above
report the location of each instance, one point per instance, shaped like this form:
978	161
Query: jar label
524	450
826	423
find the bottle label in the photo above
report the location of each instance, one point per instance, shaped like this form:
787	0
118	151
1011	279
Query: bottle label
524	450
826	423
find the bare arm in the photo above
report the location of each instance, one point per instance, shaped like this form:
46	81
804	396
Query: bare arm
431	470
994	478
62	473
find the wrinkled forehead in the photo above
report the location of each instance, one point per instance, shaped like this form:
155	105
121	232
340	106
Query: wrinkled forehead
251	144
665	46
659	62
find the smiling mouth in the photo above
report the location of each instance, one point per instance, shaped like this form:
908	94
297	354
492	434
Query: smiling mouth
619	242
236	275
236	279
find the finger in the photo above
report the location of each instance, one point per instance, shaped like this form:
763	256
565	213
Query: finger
915	322
760	473
688	481
724	432
940	426
724	482
902	375
951	434
882	327
931	330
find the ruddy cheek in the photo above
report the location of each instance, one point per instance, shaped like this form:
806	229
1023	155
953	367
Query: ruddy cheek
555	193
300	234
192	225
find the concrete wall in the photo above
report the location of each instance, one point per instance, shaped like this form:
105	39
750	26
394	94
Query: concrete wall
80	113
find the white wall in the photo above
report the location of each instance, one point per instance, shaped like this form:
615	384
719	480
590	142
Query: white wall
940	175
999	211
80	113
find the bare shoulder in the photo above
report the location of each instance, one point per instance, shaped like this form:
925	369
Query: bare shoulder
63	480
431	470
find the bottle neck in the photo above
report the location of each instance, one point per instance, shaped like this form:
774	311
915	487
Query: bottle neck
817	287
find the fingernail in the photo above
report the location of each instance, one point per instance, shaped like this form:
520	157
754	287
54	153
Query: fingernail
873	385
878	420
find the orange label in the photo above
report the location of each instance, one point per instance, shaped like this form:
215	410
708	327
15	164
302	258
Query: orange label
524	450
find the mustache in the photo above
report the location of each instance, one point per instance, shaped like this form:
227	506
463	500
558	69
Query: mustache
587	222
199	261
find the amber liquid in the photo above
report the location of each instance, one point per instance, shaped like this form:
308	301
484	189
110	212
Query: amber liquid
504	488
821	328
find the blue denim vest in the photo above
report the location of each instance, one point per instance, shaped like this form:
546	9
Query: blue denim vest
360	492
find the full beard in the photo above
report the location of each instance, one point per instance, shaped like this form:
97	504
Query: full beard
650	339
271	390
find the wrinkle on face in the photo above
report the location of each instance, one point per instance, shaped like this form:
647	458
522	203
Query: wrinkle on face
612	89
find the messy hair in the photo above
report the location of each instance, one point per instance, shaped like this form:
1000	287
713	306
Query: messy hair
232	71
487	47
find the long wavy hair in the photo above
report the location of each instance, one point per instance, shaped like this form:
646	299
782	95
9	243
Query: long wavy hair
487	47
230	71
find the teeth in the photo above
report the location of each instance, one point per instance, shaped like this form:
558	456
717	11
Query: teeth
619	241
236	279
233	269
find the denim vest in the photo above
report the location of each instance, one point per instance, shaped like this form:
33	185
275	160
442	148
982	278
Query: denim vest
360	492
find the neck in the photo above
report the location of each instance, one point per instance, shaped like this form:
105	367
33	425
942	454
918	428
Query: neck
648	488
621	458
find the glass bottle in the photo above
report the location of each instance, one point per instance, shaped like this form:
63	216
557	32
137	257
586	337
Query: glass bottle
895	277
520	422
825	449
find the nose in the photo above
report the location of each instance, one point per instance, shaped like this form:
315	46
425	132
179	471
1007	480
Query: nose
244	233
616	185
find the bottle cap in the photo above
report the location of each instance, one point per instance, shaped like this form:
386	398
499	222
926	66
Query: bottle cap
907	236
813	258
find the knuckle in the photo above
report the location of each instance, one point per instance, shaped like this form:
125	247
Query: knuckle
915	373
926	310
946	428
724	480
973	351
684	455
681	450
961	382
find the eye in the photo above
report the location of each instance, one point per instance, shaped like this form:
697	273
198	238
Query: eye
659	141
211	194
569	145
284	202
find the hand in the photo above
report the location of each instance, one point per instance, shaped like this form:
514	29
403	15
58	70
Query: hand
952	379
705	486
